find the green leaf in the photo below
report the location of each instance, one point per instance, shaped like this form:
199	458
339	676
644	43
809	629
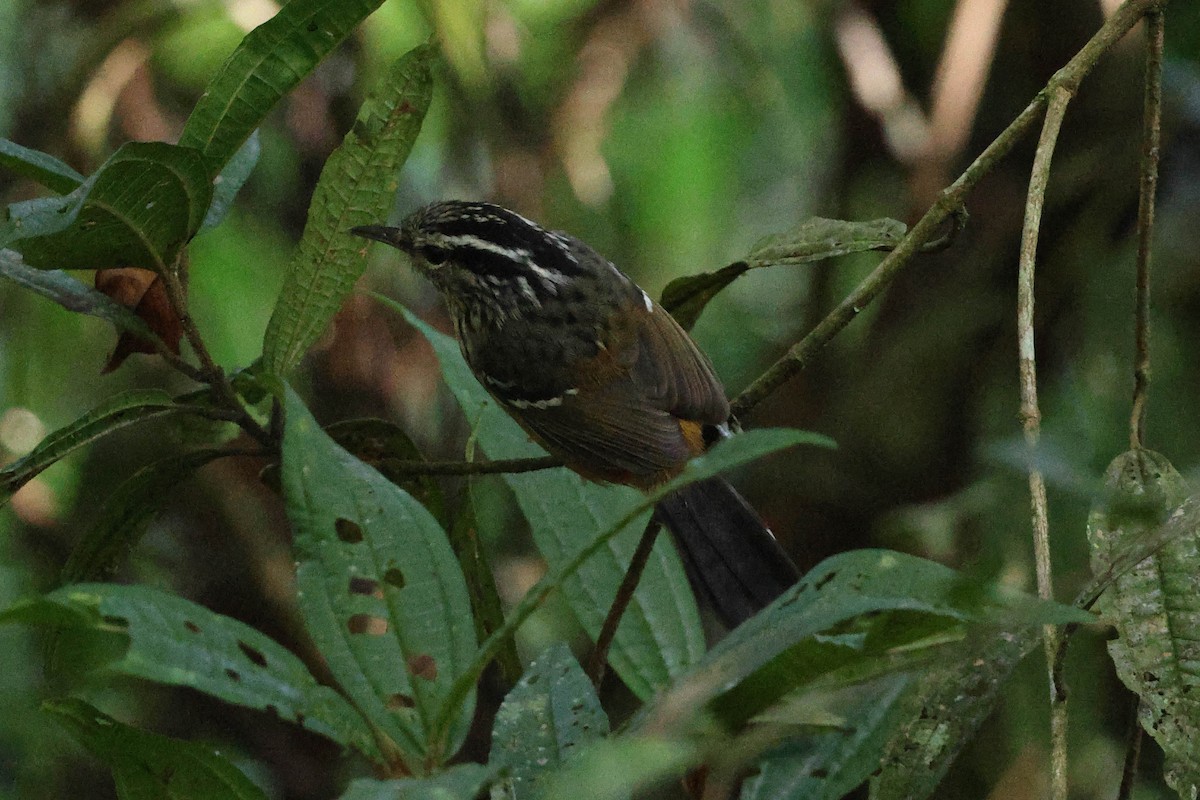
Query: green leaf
829	764
176	642
660	634
268	63
383	446
814	239
357	187
147	766
686	297
126	514
380	589
616	768
836	592
547	717
227	184
944	709
817	239
117	412
71	294
38	166
460	782
1155	606
138	210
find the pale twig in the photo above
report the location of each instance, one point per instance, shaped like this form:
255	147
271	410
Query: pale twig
598	660
1031	420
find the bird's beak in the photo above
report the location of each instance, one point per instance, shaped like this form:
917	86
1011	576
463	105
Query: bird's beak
381	233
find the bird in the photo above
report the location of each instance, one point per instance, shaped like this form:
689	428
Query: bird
600	375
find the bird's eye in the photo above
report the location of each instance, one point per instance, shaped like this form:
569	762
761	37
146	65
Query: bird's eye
435	256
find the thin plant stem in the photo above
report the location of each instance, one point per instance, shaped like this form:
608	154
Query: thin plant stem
598	661
210	373
1148	186
1060	97
1133	752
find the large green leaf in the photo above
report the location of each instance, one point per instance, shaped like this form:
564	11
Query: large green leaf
138	210
147	766
173	641
547	717
268	63
660	634
357	187
38	166
380	589
813	240
1155	606
115	413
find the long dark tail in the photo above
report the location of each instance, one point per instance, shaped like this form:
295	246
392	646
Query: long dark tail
729	553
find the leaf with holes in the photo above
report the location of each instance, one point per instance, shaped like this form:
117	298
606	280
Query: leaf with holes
813	240
380	589
38	166
268	63
357	187
460	782
660	634
547	717
1155	606
147	765
173	641
138	210
942	711
115	413
766	656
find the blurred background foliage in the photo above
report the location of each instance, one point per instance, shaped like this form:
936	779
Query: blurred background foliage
671	135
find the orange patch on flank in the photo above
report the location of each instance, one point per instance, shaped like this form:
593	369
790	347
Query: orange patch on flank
693	435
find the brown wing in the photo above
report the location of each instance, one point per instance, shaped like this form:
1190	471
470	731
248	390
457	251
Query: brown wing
673	373
636	418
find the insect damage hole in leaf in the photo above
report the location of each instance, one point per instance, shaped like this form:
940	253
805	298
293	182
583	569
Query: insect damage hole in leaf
399	701
394	577
368	624
254	654
349	532
424	666
364	586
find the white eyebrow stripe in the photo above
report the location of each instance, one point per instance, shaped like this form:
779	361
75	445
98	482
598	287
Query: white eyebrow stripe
467	240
